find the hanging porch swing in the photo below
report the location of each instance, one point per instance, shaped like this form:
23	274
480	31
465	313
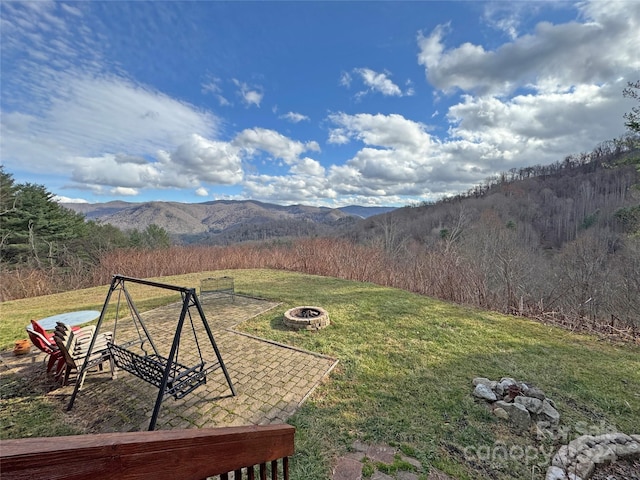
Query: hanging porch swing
141	357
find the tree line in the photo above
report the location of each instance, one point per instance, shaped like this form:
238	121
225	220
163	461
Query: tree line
39	236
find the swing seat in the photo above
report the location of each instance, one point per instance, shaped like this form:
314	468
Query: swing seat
151	368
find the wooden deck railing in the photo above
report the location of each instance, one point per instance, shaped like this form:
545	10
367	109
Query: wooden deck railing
193	454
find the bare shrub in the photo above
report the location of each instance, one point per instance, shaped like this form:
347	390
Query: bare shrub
25	282
445	271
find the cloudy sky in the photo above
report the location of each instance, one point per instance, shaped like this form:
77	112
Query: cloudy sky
321	103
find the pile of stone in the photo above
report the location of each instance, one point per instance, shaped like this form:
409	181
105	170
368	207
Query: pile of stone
578	459
517	402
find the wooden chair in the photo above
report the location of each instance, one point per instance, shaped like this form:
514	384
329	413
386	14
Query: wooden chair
44	342
74	345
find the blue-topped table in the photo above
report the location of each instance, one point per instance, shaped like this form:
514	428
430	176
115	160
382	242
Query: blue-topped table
70	318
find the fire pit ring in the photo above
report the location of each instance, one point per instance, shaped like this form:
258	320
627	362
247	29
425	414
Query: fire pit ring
306	318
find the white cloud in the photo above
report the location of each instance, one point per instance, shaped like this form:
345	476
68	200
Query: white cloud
506	16
294	117
410	91
345	79
534	129
208	161
202	192
126	192
107	171
223	101
397	159
86	115
71	9
533	100
379	82
252	140
554	58
376	82
213	86
288	188
63	199
308	166
338	136
389	131
251	95
194	161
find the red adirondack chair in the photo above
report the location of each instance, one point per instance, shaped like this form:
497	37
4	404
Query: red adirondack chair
44	342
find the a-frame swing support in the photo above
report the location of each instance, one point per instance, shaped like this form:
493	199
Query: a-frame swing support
157	370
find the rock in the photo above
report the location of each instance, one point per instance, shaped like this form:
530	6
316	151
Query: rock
518	415
582	442
584	467
613	438
579	458
380	476
357	456
381	453
601	454
403	475
534	405
549	413
561	458
358	446
543	428
555	473
484	392
347	469
536	393
628	450
501	413
481	380
503	385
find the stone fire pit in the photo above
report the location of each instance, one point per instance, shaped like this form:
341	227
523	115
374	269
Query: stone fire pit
306	318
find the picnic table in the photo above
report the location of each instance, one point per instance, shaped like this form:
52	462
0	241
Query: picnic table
70	318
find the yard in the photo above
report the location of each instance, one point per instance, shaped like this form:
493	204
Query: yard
404	375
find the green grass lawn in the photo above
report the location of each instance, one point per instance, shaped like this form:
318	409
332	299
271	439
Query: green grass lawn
404	377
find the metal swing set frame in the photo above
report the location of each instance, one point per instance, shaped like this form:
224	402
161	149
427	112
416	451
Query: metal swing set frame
170	376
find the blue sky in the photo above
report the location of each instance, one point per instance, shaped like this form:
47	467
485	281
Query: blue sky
319	103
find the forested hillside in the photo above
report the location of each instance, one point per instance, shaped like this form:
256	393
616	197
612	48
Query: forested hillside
547	205
560	240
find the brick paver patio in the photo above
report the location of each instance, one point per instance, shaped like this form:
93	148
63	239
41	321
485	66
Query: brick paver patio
271	380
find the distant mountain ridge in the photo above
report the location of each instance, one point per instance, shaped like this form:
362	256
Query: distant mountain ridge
212	217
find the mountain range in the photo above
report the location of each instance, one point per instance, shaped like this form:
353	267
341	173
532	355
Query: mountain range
213	217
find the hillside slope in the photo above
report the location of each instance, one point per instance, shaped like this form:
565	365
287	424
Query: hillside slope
547	206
